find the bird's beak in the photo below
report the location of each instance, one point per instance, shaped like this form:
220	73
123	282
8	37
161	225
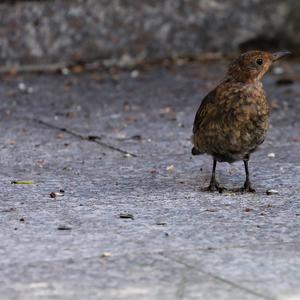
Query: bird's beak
278	55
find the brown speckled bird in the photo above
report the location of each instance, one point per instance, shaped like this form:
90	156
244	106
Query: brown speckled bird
232	120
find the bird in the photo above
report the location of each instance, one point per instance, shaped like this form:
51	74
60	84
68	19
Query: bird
232	120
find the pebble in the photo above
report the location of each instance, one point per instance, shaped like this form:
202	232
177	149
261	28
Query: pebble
65	71
106	254
278	70
56	194
134	74
22	86
162	223
272	192
126	216
170	168
63	227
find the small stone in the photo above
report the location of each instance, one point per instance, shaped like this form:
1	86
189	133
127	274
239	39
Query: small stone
134	74
272	192
22	86
136	137
126	107
65	71
278	70
170	168
153	172
126	216
271	155
161	223
30	90
210	248
247	209
52	195
211	210
56	194
105	254
64	227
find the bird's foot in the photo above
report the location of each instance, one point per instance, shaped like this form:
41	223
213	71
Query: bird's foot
247	188
213	187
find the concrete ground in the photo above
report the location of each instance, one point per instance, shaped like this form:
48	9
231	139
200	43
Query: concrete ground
133	222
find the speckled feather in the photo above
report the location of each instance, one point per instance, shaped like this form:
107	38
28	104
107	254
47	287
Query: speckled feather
232	120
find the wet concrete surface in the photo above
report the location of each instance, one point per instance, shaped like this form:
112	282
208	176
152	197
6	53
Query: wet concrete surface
120	144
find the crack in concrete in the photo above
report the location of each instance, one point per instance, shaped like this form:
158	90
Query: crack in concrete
161	252
181	289
219	278
180	293
89	138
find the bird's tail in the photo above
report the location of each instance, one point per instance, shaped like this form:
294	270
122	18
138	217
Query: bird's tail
196	151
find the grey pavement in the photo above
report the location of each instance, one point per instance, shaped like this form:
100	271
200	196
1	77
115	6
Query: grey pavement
119	143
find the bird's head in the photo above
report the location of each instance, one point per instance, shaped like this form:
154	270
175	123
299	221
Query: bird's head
251	66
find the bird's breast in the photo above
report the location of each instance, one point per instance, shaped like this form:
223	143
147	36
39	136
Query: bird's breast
251	104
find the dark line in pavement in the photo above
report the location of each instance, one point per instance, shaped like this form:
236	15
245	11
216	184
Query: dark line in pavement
218	278
94	139
164	253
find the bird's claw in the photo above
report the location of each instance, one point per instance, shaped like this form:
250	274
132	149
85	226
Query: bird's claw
213	187
247	188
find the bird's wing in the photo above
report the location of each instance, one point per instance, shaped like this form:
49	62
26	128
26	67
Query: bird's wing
205	106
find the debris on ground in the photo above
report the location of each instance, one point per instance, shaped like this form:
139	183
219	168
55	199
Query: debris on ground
284	81
56	194
126	216
64	227
134	74
22	182
169	113
153	172
271	155
278	70
272	192
24	88
161	223
105	254
170	168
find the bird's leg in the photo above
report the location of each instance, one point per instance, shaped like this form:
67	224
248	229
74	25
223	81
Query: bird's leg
214	185
247	185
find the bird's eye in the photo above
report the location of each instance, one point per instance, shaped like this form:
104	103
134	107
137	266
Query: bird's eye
259	61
